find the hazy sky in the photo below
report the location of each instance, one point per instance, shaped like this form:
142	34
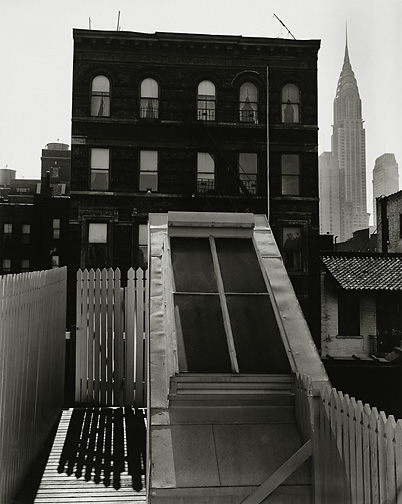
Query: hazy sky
36	49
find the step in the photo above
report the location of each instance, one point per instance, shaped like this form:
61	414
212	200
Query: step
231	389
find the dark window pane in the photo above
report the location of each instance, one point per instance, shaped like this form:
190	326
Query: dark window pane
148	181
97	256
348	313
259	346
290	185
192	265
203	346
239	265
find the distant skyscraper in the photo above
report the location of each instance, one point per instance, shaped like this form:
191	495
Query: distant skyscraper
385	179
329	195
349	153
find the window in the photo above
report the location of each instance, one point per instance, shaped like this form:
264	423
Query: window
205	172
26	233
100	97
143	245
292	251
100	169
149	102
24	265
225	319
7	232
348	313
56	229
206	101
248	103
55	173
97	245
290	166
148	171
290	104
6	265
248	171
55	261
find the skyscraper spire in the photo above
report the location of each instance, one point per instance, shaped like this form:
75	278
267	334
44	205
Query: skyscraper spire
349	148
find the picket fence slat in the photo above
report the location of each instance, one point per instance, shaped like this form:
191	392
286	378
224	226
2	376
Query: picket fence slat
110	338
374	468
103	338
32	350
130	337
91	331
139	334
97	341
398	461
382	463
390	458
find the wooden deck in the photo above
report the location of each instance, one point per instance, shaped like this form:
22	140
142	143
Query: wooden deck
98	455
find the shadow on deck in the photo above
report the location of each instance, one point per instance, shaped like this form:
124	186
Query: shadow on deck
94	449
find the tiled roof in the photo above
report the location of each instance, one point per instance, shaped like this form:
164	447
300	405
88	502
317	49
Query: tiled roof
369	272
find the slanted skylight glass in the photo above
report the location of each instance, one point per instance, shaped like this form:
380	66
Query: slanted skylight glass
224	316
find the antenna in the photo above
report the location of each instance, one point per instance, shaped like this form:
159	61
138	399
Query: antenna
118	22
90	23
283	24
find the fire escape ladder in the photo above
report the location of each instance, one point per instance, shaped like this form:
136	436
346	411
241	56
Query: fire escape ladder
228	164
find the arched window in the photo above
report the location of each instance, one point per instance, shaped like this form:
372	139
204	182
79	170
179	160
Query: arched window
149	105
206	101
248	106
100	96
290	104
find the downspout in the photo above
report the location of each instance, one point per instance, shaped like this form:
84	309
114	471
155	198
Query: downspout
268	191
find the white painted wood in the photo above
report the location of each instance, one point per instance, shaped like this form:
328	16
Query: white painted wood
280	475
110	338
32	352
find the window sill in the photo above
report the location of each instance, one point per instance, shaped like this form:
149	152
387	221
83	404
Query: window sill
338	336
295	126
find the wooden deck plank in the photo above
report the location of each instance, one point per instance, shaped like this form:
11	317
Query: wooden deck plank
85	441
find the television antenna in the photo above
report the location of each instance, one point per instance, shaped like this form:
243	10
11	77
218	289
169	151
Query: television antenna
283	24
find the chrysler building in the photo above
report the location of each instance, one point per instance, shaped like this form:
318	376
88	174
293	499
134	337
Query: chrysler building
349	151
348	161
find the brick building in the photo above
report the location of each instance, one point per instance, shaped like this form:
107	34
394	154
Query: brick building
389	223
34	216
169	121
361	325
56	164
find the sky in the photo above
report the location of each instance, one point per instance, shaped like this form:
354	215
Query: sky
36	51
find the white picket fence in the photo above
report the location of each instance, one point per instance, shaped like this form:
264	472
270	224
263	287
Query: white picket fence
357	450
110	338
32	354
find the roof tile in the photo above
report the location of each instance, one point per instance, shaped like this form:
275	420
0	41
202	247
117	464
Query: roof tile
365	272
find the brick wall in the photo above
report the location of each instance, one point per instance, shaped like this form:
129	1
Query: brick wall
345	346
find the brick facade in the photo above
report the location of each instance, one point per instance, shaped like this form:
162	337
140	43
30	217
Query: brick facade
389	223
334	345
178	63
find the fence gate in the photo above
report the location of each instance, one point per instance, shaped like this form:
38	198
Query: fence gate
110	338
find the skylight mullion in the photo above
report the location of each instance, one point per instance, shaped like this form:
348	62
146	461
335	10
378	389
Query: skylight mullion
225	311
